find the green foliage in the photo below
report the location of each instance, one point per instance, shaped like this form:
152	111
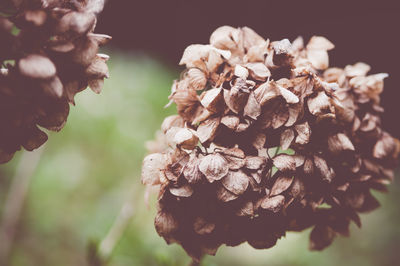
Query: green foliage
89	168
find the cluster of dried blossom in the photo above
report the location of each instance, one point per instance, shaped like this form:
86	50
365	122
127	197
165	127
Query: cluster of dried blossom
48	53
267	139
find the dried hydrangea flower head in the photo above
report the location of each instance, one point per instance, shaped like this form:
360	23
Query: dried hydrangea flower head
267	139
48	53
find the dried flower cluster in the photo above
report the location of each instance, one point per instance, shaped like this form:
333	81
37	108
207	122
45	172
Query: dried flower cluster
48	53
268	139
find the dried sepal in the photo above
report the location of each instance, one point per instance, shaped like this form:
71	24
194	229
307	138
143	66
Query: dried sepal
284	162
152	168
207	130
236	182
273	204
185	138
321	237
281	184
214	167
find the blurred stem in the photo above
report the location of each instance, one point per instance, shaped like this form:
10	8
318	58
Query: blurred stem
194	263
117	229
15	201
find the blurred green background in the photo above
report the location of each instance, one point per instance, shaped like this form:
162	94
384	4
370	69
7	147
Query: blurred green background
90	168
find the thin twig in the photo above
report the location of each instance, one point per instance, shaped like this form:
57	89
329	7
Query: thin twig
117	229
15	201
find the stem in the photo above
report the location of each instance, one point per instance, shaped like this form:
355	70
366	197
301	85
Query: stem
15	201
117	229
194	263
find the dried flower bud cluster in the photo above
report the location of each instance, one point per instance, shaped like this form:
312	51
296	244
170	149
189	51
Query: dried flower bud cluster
48	53
268	139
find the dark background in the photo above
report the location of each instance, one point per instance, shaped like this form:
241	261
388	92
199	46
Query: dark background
365	31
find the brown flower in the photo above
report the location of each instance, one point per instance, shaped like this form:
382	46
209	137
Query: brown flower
268	139
52	58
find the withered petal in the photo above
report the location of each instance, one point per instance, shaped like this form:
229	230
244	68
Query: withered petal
37	66
207	129
321	237
236	182
152	167
274	203
281	184
284	162
183	191
214	167
287	137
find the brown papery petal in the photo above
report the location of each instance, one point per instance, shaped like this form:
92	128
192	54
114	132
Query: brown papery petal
241	72
56	116
253	107
236	182
247	209
318	104
235	163
214	167
258	71
197	80
101	39
53	87
254	162
185	138
303	133
280	117
171	121
165	223
281	184
287	137
98	69
212	99
339	142
207	130
266	92
77	22
236	97
273	204
152	168
202	227
284	162
358	69
225	195
385	146
36	139
37	66
234	152
320	43
230	121
289	96
294	112
299	159
195	55
225	37
96	85
323	168
251	38
191	170
298	188
321	237
282	47
318	58
183	191
308	166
